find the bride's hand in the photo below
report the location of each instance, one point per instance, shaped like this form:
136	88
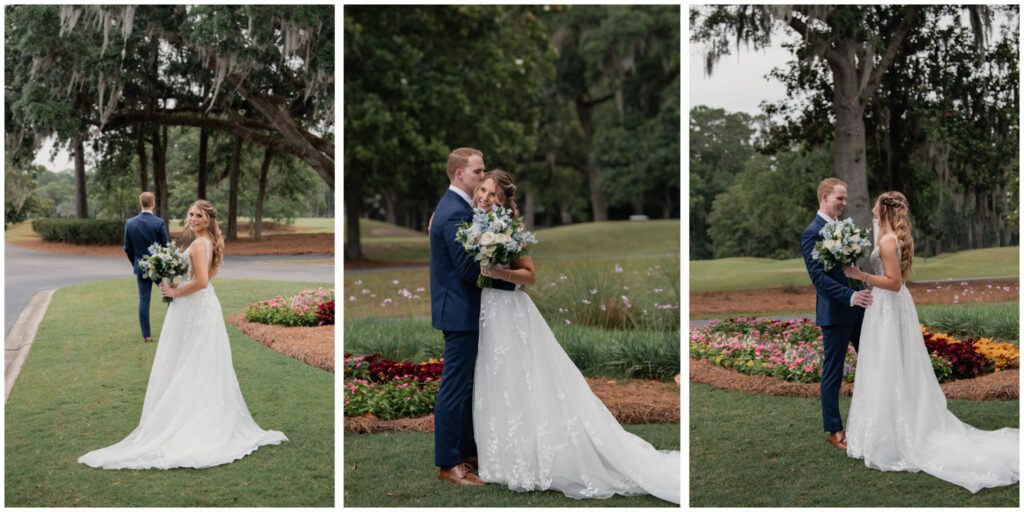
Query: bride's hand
854	273
168	290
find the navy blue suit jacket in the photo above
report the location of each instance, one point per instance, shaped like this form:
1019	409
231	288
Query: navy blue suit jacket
139	233
454	295
833	301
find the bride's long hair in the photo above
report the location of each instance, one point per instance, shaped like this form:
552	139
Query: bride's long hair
212	229
894	209
506	189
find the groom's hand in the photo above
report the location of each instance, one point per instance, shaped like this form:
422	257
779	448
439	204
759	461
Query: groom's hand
862	298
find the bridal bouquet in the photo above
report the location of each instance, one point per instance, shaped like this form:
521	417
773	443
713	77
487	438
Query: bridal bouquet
494	238
844	243
163	264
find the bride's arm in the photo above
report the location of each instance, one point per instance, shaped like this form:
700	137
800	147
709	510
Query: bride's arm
200	271
891	279
521	272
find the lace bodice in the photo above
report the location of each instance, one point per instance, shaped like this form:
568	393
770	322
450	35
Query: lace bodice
876	258
189	275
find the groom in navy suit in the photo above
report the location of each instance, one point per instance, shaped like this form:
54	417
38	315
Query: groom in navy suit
455	310
140	232
840	309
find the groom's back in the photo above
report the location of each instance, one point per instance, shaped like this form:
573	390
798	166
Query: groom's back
140	232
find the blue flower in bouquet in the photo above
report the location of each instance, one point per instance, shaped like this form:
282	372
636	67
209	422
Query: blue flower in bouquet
842	243
163	263
494	237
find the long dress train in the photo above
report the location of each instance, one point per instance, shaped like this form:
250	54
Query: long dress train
538	425
898	418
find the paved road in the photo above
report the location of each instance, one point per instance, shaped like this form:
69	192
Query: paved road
27	272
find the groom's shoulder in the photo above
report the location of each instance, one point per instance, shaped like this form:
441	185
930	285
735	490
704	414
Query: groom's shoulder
812	228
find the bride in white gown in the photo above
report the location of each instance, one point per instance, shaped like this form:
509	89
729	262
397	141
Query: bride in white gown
898	415
536	423
194	415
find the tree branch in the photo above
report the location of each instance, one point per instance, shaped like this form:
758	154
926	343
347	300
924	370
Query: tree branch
909	17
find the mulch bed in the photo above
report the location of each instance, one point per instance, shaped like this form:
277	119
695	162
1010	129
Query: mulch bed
803	297
271	245
993	386
632	402
311	345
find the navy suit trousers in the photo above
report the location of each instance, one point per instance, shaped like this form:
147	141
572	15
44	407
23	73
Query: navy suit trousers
145	290
453	410
837	338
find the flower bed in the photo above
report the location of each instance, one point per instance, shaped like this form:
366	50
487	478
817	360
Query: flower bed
390	389
306	308
793	351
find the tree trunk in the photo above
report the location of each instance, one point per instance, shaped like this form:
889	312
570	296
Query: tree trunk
277	114
233	179
849	147
204	137
257	223
529	210
598	203
81	199
353	211
159	144
140	147
390	206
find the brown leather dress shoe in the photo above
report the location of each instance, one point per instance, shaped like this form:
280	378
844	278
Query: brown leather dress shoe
838	439
472	462
147	340
459	475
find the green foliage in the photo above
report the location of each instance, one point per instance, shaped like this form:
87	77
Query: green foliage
721	143
964	321
298	310
392	399
646	354
942	126
80	231
768	205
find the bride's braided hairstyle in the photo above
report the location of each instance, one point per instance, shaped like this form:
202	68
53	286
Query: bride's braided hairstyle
212	229
506	189
894	209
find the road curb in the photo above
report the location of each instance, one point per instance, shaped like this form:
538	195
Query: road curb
22	334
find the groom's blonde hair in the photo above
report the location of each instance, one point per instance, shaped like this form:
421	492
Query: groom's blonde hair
147	200
827	185
458	159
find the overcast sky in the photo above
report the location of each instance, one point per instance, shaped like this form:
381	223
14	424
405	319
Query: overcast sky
738	81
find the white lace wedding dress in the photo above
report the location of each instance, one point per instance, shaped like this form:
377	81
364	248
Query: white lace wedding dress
898	418
536	422
194	415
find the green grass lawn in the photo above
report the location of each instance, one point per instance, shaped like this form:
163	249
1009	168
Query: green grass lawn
83	385
601	240
397	470
762	451
729	274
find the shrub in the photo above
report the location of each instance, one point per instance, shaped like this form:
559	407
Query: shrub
964	359
390	389
300	310
325	313
80	231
